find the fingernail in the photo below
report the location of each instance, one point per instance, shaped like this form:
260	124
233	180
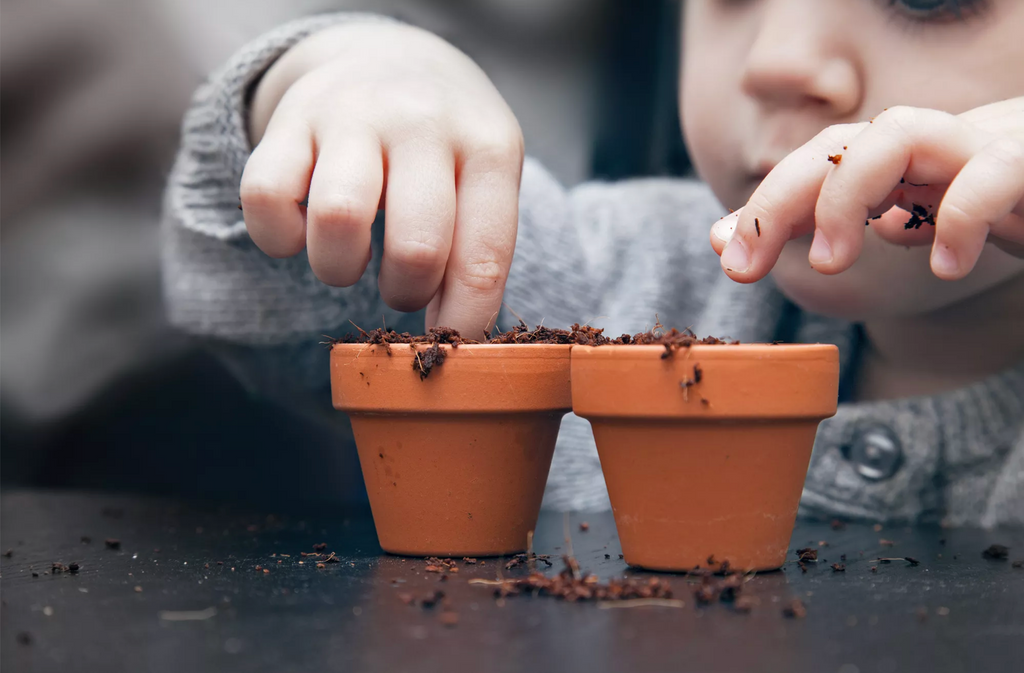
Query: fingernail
735	256
821	251
944	262
725	227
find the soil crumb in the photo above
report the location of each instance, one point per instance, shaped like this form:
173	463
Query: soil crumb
807	554
571	585
726	590
795	609
919	215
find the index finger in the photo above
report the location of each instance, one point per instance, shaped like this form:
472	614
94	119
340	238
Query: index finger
486	223
782	207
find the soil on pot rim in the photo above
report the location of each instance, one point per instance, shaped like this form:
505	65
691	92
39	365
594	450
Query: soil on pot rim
578	335
671	339
434	356
521	334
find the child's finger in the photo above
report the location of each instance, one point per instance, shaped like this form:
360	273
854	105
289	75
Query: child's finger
343	197
923	145
485	238
419	218
723	230
782	207
982	198
275	181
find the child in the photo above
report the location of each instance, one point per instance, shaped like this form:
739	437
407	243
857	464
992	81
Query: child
777	100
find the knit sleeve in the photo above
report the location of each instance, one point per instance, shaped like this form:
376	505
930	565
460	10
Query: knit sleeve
217	283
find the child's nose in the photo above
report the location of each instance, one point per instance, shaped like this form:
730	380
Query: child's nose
799	58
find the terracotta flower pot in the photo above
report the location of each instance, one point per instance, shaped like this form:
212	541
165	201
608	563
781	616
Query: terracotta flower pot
454	464
706	467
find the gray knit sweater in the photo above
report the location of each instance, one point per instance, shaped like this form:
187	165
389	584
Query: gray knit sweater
613	254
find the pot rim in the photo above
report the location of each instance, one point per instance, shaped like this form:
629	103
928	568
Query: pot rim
705	383
738	351
477	350
475	379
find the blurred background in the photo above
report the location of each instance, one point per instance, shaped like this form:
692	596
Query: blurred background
96	390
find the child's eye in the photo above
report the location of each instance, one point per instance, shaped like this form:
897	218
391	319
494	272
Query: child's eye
937	10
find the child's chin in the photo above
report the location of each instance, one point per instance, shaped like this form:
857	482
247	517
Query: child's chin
863	292
887	281
826	297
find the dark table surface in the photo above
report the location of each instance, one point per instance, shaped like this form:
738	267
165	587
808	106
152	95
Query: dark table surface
162	602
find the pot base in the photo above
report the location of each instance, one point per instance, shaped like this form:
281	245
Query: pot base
693	495
475	493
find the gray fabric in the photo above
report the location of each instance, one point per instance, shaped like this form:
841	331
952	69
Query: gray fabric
616	255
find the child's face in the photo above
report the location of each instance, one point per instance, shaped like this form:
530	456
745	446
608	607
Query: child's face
762	77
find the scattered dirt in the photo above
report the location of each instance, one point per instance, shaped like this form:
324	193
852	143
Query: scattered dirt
807	554
571	585
711	589
111	543
584	527
439	565
431	599
427	601
919	215
909	559
997	552
795	609
528	559
58	568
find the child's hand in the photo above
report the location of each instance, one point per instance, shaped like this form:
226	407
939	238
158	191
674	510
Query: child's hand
366	116
958	179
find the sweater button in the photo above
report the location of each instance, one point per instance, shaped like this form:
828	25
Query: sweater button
875	452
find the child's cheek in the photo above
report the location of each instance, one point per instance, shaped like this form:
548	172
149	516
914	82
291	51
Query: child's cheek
712	144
